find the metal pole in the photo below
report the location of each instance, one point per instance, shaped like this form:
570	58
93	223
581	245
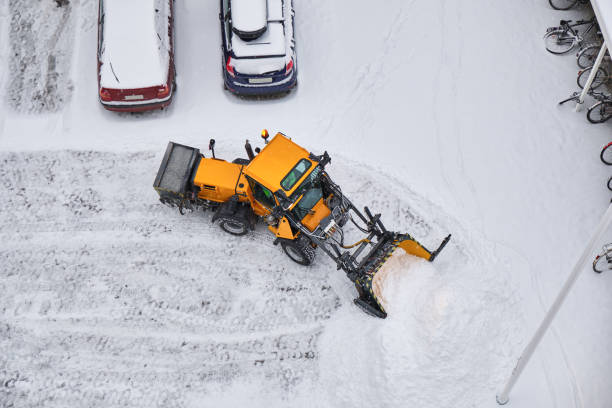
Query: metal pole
594	70
502	397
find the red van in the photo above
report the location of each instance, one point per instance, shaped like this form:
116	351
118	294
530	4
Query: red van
135	54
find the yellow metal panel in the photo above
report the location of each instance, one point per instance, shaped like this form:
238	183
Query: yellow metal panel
217	179
312	221
414	248
283	230
275	160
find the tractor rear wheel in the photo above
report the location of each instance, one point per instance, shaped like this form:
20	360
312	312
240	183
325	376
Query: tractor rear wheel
299	250
234	226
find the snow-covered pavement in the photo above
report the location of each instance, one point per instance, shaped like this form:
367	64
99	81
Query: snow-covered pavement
441	115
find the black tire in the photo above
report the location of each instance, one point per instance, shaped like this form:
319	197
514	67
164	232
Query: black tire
586	56
559	41
610	184
598	263
299	251
234	226
600	77
562	4
599	113
185	206
606	154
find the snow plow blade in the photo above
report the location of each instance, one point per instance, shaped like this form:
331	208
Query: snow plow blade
368	300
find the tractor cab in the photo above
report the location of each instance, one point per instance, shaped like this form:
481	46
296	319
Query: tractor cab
287	175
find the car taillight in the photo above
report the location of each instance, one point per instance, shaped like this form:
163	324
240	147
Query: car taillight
105	94
230	68
289	66
163	91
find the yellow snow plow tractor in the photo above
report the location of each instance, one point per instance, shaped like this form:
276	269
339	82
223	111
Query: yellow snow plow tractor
287	188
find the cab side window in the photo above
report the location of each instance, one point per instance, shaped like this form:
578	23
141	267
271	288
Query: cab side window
263	195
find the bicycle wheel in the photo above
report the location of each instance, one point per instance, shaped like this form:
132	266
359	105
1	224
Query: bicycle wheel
599	113
562	4
586	56
559	41
600	77
606	154
600	264
610	184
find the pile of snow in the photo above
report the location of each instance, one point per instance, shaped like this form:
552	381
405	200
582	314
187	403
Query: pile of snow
437	337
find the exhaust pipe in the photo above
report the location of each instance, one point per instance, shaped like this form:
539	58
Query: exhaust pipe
249	150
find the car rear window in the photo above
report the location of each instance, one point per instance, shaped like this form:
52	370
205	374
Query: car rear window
295	174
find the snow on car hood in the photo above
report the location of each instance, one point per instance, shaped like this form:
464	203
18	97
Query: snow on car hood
133	54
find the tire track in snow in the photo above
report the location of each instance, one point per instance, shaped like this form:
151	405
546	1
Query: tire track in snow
446	99
145	305
40	86
373	75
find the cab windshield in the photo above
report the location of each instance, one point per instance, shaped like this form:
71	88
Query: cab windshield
312	181
309	200
312	191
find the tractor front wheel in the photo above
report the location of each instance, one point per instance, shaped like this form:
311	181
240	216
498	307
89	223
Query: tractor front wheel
234	226
299	250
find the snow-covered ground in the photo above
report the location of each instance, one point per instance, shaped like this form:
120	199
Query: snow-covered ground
441	115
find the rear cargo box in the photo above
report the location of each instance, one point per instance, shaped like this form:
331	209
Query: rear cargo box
176	171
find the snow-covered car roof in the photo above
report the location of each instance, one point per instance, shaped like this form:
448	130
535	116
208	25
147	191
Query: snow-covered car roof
275	10
249	16
134	54
273	49
271	43
274	41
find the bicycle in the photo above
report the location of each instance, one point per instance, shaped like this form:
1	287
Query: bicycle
562	39
565	4
587	54
598	262
599	113
575	96
606	154
601	77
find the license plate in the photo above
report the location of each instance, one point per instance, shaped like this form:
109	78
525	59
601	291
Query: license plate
133	97
260	80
